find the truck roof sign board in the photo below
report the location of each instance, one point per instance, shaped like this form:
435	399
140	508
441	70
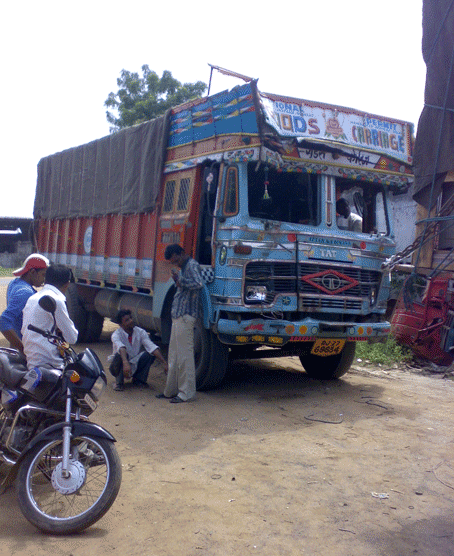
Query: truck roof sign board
236	112
301	118
121	173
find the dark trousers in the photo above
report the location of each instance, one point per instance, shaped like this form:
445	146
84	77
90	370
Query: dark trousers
141	373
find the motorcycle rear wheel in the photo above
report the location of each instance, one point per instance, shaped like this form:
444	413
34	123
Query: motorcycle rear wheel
77	502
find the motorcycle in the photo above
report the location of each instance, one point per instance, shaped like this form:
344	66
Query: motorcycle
67	470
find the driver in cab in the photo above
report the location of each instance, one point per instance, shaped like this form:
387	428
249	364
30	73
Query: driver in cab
354	221
38	350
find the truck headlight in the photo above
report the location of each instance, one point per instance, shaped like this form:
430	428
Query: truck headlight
373	296
256	294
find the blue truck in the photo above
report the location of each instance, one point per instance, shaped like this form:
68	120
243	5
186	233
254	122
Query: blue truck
283	201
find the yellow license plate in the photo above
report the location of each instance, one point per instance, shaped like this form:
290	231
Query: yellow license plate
325	348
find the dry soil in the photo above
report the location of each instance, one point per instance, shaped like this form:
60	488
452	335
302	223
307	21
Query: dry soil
272	464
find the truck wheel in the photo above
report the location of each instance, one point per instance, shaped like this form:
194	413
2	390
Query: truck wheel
94	326
211	358
77	312
88	323
328	368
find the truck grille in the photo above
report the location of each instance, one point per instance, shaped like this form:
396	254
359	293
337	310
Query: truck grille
351	285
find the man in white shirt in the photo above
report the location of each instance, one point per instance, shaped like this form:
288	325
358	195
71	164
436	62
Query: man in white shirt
354	221
38	350
133	353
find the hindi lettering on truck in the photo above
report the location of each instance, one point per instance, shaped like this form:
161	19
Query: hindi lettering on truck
284	203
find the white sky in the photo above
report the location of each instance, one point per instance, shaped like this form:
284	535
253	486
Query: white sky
61	59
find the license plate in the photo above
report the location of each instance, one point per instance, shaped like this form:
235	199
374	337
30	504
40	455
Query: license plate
90	402
325	348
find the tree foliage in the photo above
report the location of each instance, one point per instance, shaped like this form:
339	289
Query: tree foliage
139	99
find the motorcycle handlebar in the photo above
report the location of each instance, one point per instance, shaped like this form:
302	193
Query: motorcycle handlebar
58	340
38	330
58	336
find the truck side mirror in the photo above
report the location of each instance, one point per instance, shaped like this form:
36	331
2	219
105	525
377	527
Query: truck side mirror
210	179
210	186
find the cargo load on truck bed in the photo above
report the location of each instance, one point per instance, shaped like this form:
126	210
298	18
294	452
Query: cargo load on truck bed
118	174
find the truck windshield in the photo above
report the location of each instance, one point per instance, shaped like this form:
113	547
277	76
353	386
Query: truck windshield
361	207
285	196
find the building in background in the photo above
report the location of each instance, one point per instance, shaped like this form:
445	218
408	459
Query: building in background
424	314
16	241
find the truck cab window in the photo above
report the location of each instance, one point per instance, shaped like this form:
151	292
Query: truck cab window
183	195
169	195
284	196
361	207
177	194
231	192
380	214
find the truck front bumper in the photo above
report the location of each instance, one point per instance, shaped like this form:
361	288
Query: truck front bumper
280	332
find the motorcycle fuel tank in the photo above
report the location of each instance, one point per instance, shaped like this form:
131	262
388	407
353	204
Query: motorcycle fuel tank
39	383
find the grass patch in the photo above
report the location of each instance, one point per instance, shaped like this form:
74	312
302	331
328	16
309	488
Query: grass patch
384	353
6	271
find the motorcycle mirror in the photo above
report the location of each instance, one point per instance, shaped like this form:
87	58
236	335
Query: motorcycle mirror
48	304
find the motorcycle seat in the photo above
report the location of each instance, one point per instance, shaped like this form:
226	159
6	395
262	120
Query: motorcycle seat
11	373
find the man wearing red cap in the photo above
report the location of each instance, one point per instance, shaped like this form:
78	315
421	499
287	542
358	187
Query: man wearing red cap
29	276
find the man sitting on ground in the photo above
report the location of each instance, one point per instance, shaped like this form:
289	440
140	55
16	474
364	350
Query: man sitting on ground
133	353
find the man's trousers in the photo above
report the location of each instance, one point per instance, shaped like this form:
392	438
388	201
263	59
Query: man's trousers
181	379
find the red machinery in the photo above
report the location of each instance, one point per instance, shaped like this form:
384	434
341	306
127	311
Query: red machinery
424	317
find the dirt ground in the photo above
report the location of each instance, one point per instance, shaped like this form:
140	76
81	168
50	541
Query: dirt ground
271	463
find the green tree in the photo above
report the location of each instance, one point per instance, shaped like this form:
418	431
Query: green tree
139	99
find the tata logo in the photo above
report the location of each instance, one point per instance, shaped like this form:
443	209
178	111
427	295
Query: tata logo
328	253
330	282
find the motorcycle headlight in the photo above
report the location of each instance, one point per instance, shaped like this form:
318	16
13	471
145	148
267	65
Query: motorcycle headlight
98	388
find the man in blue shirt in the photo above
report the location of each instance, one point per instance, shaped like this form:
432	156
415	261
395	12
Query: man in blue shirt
30	276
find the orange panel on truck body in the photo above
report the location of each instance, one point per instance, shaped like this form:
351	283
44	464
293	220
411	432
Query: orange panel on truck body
178	219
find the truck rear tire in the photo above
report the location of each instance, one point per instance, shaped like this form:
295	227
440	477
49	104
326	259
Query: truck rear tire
329	368
88	323
211	358
76	311
94	326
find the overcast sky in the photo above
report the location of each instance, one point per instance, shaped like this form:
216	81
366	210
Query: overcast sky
61	59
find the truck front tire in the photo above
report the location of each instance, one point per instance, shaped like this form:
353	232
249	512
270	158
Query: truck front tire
211	358
331	367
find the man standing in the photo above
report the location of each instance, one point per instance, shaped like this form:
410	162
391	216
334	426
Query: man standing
29	276
133	353
38	351
181	379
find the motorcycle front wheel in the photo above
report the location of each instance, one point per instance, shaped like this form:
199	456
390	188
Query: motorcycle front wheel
62	504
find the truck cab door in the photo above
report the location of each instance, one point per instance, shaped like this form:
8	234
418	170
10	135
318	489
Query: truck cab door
209	190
